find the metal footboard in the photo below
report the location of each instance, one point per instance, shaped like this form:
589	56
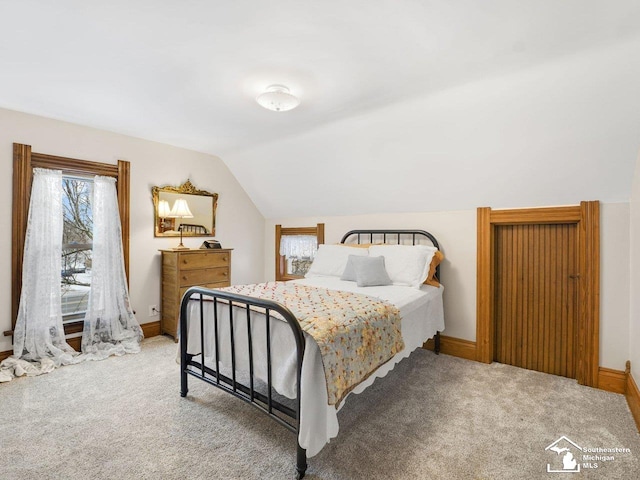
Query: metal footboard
240	306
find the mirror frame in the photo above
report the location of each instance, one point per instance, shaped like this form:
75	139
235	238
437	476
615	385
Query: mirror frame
189	189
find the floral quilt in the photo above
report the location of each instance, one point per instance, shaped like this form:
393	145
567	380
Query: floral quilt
355	333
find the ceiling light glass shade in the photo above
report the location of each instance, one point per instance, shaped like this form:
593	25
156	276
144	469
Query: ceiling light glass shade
278	99
181	209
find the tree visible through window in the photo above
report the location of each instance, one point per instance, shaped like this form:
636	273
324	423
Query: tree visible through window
77	244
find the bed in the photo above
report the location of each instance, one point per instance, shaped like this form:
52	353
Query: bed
255	348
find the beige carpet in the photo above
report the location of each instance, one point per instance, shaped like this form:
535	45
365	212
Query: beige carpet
433	417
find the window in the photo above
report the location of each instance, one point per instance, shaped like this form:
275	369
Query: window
295	249
24	161
77	245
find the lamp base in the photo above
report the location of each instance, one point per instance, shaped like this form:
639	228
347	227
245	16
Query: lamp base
180	245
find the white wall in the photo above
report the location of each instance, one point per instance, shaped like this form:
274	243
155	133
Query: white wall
239	224
456	231
634	317
614	285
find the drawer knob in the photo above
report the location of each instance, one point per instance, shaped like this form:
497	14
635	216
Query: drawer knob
224	259
184	277
224	274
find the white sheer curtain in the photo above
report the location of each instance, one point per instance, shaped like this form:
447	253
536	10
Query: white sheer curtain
110	327
298	246
38	340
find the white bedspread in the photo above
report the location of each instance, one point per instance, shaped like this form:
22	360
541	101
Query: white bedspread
422	316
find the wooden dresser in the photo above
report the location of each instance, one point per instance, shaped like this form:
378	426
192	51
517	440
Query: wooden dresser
182	269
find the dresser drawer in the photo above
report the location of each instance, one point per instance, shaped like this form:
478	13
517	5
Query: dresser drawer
203	276
203	260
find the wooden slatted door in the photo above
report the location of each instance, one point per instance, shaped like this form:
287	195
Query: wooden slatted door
535	297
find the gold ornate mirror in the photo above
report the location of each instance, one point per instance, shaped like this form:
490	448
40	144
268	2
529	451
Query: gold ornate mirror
184	209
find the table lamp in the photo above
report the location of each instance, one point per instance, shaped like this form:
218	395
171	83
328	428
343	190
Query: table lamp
180	210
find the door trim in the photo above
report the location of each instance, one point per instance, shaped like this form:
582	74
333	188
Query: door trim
587	217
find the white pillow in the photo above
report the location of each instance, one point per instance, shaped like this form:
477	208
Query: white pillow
405	264
331	260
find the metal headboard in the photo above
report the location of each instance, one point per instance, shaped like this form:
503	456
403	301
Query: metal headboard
400	234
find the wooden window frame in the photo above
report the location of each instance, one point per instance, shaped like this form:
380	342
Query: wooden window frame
24	161
318	231
587	217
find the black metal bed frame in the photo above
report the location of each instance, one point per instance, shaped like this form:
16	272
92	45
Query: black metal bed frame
241	305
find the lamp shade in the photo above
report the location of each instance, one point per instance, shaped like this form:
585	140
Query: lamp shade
278	99
181	209
163	209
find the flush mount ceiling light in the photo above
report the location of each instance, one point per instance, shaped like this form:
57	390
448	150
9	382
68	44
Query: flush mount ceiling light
278	99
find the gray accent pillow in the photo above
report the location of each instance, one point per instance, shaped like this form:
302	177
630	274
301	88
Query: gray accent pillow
370	271
350	270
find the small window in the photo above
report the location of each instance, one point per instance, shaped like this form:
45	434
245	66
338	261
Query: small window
295	249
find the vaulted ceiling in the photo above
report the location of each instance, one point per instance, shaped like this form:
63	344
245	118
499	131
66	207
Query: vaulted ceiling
405	105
